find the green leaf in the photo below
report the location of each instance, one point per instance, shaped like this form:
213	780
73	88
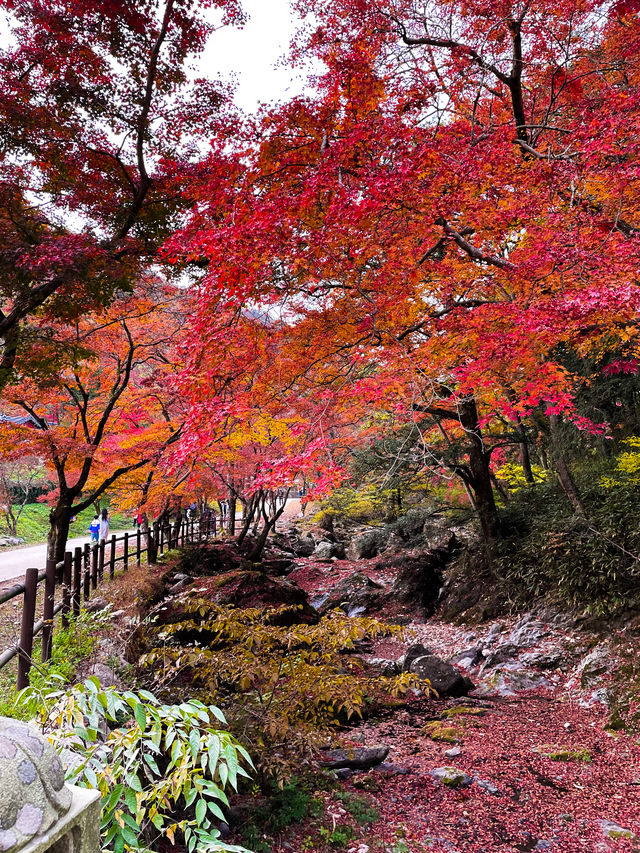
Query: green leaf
201	810
131	800
141	717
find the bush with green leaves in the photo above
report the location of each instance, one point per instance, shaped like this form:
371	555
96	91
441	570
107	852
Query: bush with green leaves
590	563
162	770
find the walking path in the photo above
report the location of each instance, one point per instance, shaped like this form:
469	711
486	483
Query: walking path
14	563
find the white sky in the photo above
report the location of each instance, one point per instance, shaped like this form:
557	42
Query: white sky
254	53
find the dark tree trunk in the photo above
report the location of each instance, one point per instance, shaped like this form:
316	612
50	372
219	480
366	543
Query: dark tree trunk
562	469
269	524
59	522
249	510
479	473
231	504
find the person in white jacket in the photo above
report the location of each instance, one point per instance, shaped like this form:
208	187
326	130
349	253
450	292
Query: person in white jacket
104	526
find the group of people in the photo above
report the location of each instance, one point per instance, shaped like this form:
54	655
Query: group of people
99	527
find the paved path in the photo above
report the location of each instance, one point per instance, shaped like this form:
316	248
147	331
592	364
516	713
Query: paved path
14	563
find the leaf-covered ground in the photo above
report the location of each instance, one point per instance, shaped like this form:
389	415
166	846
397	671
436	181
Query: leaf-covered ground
544	771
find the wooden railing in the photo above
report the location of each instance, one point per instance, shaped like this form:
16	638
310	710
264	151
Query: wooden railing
80	573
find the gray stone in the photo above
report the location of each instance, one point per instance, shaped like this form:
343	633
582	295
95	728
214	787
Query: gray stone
304	546
527	632
415	651
385	667
324	551
77	832
361	758
468	657
33	796
105	675
614	831
499	654
454	752
37	808
367	545
451	777
95	605
487	786
443	677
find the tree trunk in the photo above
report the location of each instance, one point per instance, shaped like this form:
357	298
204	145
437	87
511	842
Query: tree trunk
269	524
231	503
562	469
59	522
525	456
249	509
479	479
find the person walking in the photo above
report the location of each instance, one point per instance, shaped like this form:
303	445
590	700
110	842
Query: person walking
104	525
94	528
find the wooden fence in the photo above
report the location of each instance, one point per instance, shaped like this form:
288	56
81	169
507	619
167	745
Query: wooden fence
80	573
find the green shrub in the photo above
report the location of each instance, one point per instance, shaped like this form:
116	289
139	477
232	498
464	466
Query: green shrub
591	563
162	770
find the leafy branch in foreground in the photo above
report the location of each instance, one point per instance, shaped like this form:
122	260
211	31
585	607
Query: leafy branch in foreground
162	770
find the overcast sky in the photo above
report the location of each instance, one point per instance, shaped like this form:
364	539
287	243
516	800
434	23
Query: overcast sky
254	53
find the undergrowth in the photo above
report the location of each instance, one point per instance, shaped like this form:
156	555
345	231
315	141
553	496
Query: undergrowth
283	687
591	564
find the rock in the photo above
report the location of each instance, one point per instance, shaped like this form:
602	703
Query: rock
324	551
494	632
11	541
277	566
357	592
451	777
527	632
415	651
254	589
507	683
395	543
361	758
597	663
385	667
368	544
439	539
343	773
95	605
454	752
487	786
444	677
499	654
418	582
615	831
105	675
303	546
468	657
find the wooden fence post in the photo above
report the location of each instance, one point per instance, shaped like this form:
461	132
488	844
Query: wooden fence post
66	588
112	557
125	561
94	566
47	616
152	543
77	581
87	572
26	630
101	552
138	545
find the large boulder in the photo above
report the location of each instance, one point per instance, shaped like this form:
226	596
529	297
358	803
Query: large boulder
356	594
361	758
418	582
324	551
303	546
443	677
368	544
